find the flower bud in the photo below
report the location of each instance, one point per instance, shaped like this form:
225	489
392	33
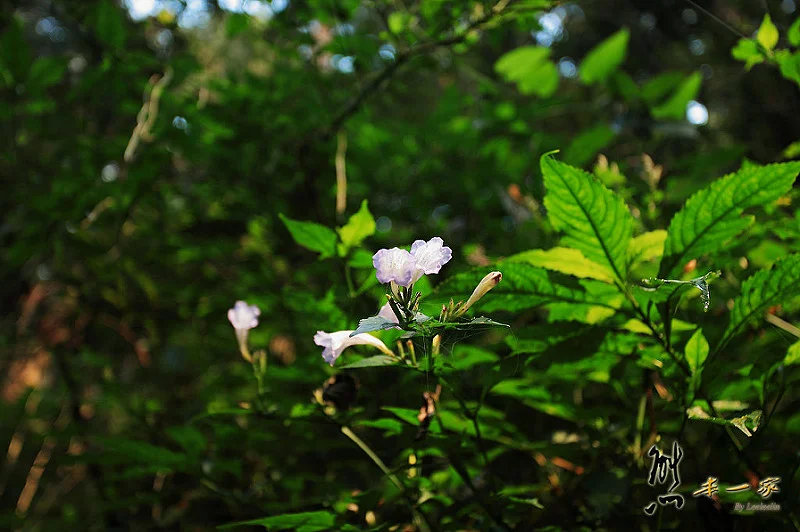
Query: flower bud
486	284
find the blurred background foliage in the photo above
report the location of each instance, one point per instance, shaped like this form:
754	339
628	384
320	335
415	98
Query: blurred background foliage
149	147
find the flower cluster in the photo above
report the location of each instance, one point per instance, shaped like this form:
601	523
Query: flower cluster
406	268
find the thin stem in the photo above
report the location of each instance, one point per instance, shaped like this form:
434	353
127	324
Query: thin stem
419	517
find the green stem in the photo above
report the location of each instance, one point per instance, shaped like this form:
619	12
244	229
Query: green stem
419	517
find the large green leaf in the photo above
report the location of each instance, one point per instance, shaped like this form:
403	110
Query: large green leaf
525	286
604	58
312	236
594	220
713	216
531	69
564	260
765	288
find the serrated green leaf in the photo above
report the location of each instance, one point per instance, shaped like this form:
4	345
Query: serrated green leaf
358	227
594	220
531	69
713	216
604	58
646	247
301	522
312	236
585	146
525	286
675	106
564	260
373	362
765	288
794	33
767	35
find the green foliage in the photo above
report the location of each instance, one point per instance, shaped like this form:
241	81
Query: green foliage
604	59
778	285
162	165
531	69
594	220
714	215
312	236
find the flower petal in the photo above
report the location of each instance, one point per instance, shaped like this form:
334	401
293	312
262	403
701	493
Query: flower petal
394	264
336	342
430	256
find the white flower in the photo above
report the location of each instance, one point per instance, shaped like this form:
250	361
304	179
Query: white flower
394	264
429	256
243	317
336	342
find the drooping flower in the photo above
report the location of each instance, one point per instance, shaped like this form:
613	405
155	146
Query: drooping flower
336	342
394	264
429	256
489	281
243	317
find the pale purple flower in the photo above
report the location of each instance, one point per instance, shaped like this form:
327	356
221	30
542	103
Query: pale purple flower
429	256
394	264
387	313
243	317
336	342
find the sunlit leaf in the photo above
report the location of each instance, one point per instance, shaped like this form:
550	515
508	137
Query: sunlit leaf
312	236
593	219
713	216
780	284
531	69
604	58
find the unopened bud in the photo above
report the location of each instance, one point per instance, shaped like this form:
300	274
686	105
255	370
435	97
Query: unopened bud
486	284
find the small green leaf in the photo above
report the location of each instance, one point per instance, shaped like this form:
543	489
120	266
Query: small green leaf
585	146
604	58
675	106
794	33
789	64
373	362
373	323
767	35
792	355
747	50
531	69
696	352
358	227
45	72
312	236
303	522
565	260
